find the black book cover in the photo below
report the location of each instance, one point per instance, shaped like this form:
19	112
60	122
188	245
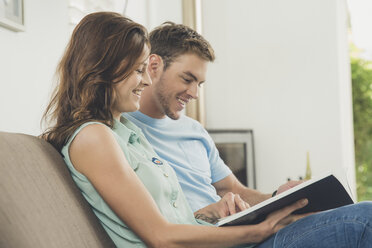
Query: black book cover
323	194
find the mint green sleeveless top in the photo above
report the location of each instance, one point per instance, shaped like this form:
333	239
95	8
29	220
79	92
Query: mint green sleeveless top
157	176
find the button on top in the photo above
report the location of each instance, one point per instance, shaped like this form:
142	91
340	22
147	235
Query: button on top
165	174
175	204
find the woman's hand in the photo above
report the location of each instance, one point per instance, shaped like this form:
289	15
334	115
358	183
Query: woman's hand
229	204
279	219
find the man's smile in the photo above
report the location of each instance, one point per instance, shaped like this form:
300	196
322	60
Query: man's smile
182	101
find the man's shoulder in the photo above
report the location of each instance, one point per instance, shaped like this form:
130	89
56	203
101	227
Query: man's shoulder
183	123
184	119
139	118
130	115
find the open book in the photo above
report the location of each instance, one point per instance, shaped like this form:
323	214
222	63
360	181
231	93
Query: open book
323	193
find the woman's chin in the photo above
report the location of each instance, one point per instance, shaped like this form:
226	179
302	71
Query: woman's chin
133	108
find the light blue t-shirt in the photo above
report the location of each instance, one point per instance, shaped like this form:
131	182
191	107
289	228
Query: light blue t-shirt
189	149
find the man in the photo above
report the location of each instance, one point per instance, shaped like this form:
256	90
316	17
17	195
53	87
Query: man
177	67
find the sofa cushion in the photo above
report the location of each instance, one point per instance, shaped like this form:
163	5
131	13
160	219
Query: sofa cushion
40	206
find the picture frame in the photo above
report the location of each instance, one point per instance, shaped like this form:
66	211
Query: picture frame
236	148
12	15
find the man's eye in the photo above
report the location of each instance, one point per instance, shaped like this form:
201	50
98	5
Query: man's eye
140	71
187	80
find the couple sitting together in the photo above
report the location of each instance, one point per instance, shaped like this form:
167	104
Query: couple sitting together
152	176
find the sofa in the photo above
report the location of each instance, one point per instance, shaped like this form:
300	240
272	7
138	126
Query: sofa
40	205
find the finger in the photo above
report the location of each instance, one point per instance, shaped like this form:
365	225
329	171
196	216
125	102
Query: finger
229	198
286	221
240	204
296	217
284	212
281	218
288	185
291	184
278	227
223	212
290	219
297	205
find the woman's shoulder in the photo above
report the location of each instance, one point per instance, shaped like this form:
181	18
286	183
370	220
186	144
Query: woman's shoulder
90	143
91	133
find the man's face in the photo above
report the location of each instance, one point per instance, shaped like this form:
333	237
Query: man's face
179	84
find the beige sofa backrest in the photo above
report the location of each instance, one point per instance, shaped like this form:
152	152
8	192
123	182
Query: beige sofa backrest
40	206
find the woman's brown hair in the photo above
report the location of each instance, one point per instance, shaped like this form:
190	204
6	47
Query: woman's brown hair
103	50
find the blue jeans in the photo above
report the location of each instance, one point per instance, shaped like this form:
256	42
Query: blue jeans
348	226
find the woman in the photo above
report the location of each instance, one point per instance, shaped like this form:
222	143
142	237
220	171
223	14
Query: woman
135	195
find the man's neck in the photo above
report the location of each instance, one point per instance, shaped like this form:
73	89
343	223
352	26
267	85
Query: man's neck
149	107
151	113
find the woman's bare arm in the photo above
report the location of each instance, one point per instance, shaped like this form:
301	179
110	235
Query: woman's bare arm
95	153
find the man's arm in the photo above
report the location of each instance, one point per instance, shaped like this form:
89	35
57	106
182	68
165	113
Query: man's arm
251	196
232	184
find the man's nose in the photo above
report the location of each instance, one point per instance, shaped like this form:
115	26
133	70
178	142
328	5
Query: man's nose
193	90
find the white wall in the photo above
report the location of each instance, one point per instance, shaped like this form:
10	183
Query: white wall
28	59
282	69
27	64
152	13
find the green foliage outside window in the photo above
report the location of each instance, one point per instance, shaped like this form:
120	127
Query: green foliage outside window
361	71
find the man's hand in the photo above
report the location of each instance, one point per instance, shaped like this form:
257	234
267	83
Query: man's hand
230	204
232	184
288	185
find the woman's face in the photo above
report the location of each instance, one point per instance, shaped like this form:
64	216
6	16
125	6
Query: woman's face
128	91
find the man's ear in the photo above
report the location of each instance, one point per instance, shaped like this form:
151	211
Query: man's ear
155	66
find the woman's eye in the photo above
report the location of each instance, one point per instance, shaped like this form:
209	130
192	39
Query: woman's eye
140	71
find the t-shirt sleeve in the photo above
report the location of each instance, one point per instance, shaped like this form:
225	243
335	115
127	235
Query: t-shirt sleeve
219	170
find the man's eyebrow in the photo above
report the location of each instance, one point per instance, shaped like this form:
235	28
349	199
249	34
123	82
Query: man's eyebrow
191	75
